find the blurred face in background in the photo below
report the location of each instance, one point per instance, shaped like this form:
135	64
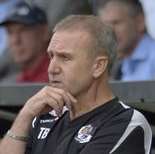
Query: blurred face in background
128	29
26	42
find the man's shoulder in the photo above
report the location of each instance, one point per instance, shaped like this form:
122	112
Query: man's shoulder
119	129
121	113
124	117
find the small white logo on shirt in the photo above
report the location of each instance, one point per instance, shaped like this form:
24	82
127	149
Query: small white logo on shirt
49	120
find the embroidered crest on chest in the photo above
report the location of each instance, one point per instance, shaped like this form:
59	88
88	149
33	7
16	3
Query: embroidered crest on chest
85	133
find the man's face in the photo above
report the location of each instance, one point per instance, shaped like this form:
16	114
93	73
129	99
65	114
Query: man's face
70	67
125	26
25	42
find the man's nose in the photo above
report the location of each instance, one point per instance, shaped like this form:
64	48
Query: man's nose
14	39
53	67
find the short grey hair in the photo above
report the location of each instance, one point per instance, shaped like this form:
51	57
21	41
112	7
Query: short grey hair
103	37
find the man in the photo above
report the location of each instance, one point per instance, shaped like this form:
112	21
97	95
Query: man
5	59
81	53
28	39
135	46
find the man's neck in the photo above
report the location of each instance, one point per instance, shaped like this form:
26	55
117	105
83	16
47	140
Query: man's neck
93	99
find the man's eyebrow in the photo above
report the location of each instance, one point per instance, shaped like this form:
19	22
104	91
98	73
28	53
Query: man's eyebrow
64	53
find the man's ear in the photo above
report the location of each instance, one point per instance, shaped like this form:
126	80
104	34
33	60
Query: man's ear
100	66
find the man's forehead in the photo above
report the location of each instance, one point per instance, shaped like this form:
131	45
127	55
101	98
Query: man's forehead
65	39
56	42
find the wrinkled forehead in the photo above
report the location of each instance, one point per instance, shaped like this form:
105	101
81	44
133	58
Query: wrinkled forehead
67	39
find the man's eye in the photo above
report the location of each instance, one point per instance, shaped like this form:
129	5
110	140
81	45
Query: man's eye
65	58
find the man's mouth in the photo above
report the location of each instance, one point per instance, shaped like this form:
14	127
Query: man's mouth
55	83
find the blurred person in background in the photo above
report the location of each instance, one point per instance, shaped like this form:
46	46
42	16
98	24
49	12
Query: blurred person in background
7	66
28	39
135	47
5	6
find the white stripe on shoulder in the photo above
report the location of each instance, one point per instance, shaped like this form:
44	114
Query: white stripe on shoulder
137	120
124	105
